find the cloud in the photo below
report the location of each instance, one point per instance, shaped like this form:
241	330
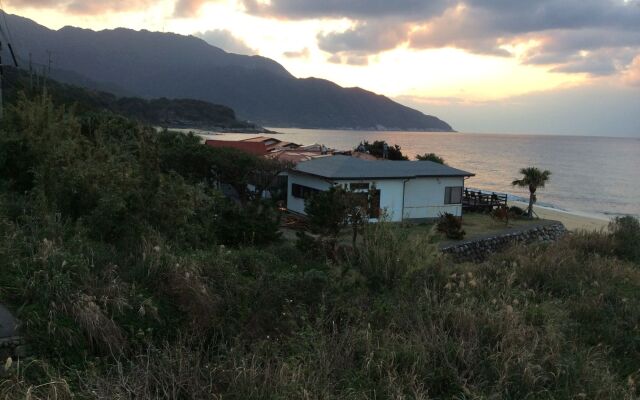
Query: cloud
353	9
364	38
358	60
85	7
463	28
187	8
596	37
304	53
570	36
226	40
354	45
631	75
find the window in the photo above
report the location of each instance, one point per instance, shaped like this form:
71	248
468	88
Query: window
453	195
302	192
360	186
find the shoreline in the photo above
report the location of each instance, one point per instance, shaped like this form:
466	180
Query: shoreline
572	220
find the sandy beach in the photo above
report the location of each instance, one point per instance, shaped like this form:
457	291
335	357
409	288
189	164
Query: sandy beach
571	221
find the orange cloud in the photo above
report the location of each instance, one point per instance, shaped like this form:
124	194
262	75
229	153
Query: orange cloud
85	6
188	8
632	74
304	53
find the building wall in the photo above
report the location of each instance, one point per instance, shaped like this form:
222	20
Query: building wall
424	197
390	196
297	205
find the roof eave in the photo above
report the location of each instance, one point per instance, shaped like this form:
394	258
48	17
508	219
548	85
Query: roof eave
346	178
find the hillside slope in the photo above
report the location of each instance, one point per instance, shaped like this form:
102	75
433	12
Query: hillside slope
151	65
171	113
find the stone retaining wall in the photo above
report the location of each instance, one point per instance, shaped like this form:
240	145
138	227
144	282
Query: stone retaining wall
479	249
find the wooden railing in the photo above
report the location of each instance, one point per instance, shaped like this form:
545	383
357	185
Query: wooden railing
475	199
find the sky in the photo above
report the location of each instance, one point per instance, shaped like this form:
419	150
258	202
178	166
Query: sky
500	66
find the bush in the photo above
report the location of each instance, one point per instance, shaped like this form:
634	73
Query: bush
626	237
253	224
377	149
430	157
451	226
516	211
330	211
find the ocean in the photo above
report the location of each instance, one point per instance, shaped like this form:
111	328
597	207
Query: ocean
591	176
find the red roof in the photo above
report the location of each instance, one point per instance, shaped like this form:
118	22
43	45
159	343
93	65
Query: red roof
256	148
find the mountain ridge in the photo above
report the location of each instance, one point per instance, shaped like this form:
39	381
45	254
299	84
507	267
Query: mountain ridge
154	65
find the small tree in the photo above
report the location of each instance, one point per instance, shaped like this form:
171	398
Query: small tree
329	212
430	157
380	147
265	175
533	178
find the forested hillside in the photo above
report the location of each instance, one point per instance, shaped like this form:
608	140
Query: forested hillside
176	113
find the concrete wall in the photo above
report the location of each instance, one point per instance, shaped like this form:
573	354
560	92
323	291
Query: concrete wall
424	198
297	205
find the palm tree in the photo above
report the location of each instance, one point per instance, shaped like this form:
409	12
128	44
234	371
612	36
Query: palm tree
532	178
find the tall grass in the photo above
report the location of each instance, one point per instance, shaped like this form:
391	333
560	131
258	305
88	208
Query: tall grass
389	253
554	321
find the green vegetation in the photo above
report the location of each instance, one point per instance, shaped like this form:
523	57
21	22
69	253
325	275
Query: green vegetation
112	256
626	237
174	113
330	212
451	226
534	179
430	157
377	149
475	225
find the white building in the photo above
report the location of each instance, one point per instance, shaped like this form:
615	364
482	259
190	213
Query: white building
404	190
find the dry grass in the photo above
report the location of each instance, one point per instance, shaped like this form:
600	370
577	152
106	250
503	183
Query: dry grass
393	321
17	382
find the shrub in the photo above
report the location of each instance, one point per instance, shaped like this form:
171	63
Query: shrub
626	237
377	149
332	210
451	226
254	223
516	211
430	157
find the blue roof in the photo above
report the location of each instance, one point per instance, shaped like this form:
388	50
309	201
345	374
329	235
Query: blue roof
345	167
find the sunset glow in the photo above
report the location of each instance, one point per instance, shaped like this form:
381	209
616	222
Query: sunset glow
462	50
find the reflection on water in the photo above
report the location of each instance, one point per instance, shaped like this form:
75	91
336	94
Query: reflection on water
590	174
